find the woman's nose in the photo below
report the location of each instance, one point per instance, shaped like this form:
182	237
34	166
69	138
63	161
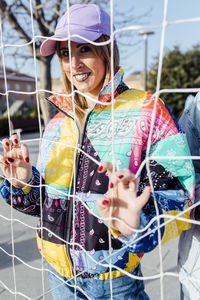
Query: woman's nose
76	62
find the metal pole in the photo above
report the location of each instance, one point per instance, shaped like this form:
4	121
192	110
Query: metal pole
145	36
145	62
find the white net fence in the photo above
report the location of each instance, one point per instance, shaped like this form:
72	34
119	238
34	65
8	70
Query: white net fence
23	272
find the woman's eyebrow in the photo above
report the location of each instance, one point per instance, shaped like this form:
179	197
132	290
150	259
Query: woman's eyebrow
64	48
79	45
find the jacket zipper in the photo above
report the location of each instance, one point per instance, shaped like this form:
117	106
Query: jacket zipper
68	222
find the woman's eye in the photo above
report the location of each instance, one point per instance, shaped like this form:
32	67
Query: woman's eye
65	53
85	49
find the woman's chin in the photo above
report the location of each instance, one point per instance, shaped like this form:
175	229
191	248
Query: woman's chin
83	88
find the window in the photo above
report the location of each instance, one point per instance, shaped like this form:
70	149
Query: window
17	86
29	88
13	99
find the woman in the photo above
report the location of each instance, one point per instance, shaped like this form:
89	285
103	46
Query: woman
189	242
76	238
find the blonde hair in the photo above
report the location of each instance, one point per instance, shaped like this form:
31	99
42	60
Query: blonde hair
103	51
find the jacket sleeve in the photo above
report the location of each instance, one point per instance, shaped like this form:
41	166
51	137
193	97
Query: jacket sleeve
189	122
173	180
27	199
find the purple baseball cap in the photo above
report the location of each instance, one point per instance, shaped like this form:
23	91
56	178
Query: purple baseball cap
87	20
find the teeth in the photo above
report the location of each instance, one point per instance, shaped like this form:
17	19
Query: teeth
81	77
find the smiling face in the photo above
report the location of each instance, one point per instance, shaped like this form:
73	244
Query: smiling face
88	69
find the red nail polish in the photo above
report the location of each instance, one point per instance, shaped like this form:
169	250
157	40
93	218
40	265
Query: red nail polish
27	159
111	185
6	162
10	159
105	202
7	144
15	141
100	168
120	176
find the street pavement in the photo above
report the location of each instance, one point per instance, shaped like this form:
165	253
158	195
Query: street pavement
23	271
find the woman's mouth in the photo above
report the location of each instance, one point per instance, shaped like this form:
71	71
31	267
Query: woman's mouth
81	77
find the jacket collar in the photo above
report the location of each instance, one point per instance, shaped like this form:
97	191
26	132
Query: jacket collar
105	95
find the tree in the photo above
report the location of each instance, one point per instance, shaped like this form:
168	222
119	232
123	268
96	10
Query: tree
16	18
179	70
18	14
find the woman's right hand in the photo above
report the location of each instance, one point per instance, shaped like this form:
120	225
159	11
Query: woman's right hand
121	203
15	162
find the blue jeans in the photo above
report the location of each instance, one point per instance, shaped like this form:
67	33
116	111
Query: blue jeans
123	288
189	263
184	293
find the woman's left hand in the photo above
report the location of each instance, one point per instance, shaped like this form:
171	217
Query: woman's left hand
122	199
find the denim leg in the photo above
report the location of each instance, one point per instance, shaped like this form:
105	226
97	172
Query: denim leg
184	293
189	263
123	288
60	290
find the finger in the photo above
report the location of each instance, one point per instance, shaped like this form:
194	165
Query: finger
15	152
104	202
112	192
114	175
25	153
144	197
105	166
6	145
3	161
16	162
19	151
103	207
14	140
133	185
125	175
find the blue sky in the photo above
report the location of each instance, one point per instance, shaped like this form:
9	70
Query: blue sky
185	35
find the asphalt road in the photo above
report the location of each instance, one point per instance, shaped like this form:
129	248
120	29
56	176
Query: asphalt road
21	264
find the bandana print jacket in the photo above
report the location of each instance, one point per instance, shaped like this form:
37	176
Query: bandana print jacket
73	234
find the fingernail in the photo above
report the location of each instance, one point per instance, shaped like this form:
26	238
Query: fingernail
7	144
111	185
105	202
100	168
6	162
27	159
120	176
10	159
15	141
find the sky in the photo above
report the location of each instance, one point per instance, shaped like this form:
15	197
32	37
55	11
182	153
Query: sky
146	13
185	35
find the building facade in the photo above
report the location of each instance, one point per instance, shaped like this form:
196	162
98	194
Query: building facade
16	86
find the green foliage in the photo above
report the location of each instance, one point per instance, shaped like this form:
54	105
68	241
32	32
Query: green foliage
179	70
34	113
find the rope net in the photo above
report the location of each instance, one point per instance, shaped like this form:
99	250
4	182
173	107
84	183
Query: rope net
25	274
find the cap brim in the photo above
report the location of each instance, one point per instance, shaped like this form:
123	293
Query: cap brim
48	47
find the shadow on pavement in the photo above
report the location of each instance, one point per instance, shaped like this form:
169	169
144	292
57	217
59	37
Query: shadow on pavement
25	250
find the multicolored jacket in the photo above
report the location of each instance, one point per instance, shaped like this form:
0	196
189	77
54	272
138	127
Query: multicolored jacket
72	236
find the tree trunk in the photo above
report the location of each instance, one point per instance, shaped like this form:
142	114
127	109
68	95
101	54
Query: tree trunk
45	83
